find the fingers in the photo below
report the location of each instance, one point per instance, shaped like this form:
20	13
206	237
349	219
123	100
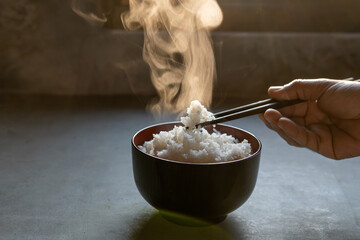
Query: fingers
261	116
317	137
271	118
297	110
300	134
310	89
294	133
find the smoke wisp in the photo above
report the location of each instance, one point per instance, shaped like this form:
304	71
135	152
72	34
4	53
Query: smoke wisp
178	48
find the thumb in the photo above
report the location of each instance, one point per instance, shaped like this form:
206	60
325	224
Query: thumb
304	89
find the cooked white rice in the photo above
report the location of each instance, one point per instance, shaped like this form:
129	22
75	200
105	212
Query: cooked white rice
189	144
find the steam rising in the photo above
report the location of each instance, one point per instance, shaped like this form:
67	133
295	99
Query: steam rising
177	47
90	10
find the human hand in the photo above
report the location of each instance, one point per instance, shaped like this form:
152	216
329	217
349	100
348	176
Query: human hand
327	123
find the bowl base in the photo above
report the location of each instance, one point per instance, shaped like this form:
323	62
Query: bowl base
189	220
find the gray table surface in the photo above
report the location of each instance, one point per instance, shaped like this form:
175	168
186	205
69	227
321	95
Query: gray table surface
67	174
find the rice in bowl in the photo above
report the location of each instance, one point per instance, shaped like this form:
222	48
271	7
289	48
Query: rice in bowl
189	143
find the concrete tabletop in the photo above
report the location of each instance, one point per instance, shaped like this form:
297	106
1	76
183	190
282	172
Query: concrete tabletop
66	174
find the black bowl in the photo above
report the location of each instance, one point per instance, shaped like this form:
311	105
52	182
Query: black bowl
203	191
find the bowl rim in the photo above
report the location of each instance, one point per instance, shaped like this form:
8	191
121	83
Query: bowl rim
196	163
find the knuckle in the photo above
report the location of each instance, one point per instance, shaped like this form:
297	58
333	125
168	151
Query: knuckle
296	82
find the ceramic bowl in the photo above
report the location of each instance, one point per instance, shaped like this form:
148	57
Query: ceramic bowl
202	191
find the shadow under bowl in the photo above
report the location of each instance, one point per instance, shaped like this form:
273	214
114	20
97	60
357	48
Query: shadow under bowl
201	191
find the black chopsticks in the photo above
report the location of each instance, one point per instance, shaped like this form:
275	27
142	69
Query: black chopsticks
248	110
252	109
